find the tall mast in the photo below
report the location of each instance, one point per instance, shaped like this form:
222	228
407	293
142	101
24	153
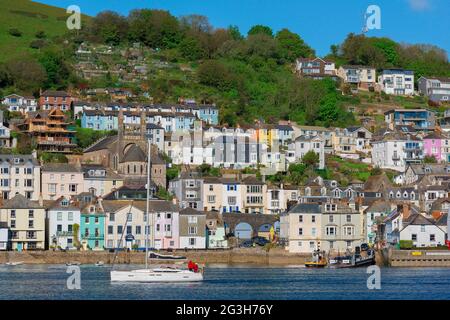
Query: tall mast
148	205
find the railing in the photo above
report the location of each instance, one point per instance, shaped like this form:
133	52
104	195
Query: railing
64	233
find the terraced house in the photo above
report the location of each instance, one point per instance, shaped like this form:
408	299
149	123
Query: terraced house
20	174
26	222
61	179
329	226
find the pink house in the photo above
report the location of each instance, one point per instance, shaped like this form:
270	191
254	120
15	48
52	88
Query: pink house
167	229
434	144
61	179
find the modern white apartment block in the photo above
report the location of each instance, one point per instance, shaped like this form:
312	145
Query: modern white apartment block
397	82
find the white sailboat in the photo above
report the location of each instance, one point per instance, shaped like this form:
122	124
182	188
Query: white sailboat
158	274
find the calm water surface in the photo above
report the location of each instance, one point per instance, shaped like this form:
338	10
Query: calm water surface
228	282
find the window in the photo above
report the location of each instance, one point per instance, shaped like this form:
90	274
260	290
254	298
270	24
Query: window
192	230
422	228
313	219
300	218
300	231
72	188
432	237
313	232
211	187
13	214
348	231
112	217
30	224
110	229
119	229
414	237
70	216
211	199
192	241
129	229
138	229
13	223
331	231
331	218
349	218
31	214
59	216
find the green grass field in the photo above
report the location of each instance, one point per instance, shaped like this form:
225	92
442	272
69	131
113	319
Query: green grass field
28	17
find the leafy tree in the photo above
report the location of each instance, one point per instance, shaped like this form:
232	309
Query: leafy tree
26	74
214	73
310	159
56	68
191	49
429	159
235	33
154	28
292	45
110	27
260	29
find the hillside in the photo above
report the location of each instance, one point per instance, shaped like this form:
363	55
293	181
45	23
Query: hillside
28	17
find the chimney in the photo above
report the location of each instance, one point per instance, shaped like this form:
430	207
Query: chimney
406	211
436	214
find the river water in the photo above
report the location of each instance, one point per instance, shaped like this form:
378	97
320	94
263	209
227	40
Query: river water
228	282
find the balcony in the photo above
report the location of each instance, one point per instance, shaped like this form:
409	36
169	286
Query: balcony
64	233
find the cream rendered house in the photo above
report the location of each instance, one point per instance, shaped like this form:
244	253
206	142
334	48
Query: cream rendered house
212	194
26	221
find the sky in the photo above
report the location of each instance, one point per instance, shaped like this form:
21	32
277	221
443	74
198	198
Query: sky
320	23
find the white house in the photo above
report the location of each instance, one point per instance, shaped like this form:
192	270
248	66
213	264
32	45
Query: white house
396	151
22	104
397	82
304	144
62	215
424	232
3	236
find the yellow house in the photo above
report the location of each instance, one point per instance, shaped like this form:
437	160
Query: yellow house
212	194
26	221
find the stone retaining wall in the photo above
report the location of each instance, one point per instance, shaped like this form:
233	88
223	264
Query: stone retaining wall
419	258
235	256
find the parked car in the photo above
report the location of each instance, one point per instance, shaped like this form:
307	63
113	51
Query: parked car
247	244
260	241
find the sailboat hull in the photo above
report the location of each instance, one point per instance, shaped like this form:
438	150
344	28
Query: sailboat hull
146	275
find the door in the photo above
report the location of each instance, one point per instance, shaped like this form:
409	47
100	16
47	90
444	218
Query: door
19	246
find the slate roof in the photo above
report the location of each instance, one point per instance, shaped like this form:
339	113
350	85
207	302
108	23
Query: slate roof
306	208
20	202
154	205
134	154
23	158
101	144
60	167
192	212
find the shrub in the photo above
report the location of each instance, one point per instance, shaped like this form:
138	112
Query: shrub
15	32
406	244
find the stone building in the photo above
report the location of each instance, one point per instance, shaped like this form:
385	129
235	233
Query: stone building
126	154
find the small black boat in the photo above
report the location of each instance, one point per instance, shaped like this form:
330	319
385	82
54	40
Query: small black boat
158	256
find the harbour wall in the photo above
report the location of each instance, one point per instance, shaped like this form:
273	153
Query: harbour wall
419	258
257	256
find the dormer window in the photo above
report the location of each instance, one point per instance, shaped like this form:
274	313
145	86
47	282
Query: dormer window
64	203
428	170
330	207
399	195
405	195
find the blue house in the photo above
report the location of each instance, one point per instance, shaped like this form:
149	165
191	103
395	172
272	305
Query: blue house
92	226
99	120
421	119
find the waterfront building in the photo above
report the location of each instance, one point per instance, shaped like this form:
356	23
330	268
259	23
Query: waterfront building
4	235
92	222
192	229
254	195
63	217
215	231
26	222
331	227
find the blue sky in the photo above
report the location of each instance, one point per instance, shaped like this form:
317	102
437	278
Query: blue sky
319	22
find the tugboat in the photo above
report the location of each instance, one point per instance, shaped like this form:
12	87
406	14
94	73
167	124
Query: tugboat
318	260
362	257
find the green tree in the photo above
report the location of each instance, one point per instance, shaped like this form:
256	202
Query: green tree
292	45
311	159
109	27
260	29
216	74
191	49
56	68
429	159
